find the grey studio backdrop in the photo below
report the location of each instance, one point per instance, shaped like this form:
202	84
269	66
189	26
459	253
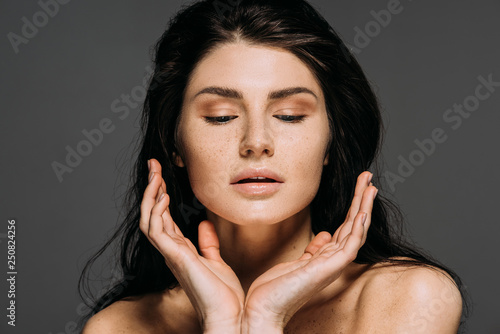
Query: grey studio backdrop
70	67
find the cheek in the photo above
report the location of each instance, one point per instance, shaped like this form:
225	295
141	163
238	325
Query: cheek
208	162
309	154
307	169
304	162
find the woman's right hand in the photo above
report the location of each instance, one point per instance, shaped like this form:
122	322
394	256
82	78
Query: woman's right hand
211	285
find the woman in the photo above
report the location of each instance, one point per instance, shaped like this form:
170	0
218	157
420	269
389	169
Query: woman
252	208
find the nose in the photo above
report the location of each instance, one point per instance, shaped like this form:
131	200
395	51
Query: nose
257	139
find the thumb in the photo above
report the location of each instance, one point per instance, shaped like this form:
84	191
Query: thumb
319	240
208	241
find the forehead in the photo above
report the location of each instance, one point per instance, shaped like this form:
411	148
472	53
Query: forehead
251	68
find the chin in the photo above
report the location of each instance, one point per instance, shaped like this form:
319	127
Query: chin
255	214
253	220
245	210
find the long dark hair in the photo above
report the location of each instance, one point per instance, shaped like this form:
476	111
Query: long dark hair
354	118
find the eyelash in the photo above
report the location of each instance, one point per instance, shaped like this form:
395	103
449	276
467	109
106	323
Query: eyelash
219	120
290	118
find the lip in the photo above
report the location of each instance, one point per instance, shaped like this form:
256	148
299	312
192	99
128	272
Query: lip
257	188
256	172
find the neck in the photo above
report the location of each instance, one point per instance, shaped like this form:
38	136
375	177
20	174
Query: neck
250	250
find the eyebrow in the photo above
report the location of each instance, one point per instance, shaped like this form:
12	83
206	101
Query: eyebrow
274	95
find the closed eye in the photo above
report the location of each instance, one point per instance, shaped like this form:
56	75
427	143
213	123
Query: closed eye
218	120
290	118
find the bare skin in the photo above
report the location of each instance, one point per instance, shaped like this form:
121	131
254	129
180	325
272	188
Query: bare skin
364	299
336	311
253	109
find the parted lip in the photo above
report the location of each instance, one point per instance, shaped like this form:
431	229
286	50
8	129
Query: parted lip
263	173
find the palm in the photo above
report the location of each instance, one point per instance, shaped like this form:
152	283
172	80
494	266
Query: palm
212	286
212	277
288	286
206	279
278	293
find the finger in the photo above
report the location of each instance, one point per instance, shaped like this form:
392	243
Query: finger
353	242
367	206
148	201
168	244
156	233
169	225
155	167
162	189
166	215
208	241
367	201
362	183
163	186
319	240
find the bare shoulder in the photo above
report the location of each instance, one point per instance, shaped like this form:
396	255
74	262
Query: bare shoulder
123	316
163	312
409	299
116	318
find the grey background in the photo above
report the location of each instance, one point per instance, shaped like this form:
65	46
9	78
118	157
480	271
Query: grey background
65	79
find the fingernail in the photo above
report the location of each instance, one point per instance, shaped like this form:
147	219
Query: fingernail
375	195
151	177
161	197
149	164
370	178
364	218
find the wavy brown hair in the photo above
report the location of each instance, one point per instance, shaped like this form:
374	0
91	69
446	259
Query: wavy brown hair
354	119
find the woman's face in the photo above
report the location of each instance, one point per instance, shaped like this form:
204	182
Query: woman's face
253	134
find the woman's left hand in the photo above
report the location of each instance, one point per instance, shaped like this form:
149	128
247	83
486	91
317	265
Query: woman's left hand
275	296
